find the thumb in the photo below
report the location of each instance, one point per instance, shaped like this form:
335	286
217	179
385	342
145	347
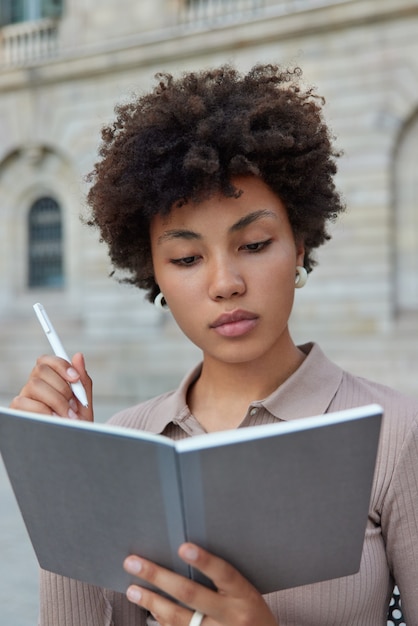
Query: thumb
85	413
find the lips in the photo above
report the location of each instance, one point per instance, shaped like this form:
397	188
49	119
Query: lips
235	324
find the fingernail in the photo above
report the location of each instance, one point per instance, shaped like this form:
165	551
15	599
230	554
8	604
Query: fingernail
72	415
191	553
133	566
72	373
73	405
134	594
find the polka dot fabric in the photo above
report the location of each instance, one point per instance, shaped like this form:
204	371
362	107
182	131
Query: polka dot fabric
395	617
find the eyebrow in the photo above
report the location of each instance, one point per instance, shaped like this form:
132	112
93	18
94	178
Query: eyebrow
178	234
243	222
251	218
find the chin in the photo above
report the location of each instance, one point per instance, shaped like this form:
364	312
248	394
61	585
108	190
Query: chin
238	356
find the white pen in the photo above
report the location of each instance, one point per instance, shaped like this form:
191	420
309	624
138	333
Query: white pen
58	349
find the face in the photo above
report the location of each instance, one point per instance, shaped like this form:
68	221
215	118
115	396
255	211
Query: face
227	267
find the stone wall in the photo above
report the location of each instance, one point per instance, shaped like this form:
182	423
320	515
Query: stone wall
361	302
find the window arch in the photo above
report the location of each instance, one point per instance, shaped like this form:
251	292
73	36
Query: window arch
45	244
12	11
406	219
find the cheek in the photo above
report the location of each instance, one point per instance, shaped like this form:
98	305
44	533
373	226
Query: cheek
189	318
180	287
186	299
184	296
276	287
278	275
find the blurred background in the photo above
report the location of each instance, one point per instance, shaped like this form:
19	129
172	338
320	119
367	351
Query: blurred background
64	64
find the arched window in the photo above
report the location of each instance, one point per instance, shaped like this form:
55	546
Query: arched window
12	11
45	244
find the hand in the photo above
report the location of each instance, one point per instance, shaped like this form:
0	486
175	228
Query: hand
235	603
48	390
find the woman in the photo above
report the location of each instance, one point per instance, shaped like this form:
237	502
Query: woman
212	192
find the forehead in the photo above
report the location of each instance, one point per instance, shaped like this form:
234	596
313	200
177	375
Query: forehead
256	200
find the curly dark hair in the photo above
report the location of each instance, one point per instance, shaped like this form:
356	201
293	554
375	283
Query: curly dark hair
189	138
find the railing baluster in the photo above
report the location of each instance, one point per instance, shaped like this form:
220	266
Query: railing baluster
26	42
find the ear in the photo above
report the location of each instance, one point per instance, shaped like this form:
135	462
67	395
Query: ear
300	253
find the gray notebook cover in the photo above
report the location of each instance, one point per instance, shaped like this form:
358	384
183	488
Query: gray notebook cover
285	503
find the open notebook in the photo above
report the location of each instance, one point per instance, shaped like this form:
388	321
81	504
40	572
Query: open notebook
285	503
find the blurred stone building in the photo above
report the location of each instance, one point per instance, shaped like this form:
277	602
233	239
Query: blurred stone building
64	64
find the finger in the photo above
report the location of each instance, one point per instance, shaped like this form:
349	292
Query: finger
74	372
45	384
21	403
48	384
240	603
164	610
85	413
62	367
24	403
182	589
224	576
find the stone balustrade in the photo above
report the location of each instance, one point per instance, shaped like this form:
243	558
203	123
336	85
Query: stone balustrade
34	41
29	42
209	11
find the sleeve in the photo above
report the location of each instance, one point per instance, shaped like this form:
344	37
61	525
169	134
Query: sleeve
70	602
400	524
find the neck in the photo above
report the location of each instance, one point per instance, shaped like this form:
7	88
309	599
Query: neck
220	397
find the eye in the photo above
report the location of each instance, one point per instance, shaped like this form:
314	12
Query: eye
257	246
185	261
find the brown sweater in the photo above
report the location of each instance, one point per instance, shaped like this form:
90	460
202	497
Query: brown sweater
390	551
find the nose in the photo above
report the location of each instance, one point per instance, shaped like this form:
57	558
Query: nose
226	281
